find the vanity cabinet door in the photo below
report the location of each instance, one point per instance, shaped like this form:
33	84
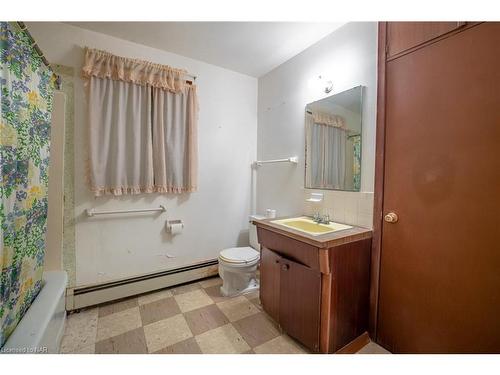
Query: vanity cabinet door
270	282
300	301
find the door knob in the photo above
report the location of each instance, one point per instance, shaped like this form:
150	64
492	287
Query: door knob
285	267
391	217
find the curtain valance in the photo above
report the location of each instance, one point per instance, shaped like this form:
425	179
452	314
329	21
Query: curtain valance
102	64
328	119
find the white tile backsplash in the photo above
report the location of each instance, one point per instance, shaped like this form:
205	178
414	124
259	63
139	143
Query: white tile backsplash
365	204
351	217
365	220
343	206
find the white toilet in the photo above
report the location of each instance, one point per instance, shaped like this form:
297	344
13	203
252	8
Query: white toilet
238	265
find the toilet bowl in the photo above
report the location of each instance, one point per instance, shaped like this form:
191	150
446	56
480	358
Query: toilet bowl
238	265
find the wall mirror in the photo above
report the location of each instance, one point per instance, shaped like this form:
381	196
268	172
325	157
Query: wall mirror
333	141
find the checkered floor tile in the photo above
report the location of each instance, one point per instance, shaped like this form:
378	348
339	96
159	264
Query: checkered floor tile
189	319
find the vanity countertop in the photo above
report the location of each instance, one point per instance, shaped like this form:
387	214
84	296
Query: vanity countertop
324	241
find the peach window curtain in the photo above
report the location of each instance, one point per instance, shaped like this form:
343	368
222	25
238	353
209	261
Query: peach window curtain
326	138
142	126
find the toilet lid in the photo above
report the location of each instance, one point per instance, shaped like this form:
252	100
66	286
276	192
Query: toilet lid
239	255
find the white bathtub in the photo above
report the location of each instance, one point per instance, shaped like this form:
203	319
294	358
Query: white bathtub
42	327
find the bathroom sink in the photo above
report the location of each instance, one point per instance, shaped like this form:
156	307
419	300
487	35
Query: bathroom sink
307	225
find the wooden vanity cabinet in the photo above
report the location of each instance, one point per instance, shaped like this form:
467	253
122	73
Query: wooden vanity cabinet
317	289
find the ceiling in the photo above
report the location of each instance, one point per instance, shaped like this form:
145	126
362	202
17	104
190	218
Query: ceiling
252	48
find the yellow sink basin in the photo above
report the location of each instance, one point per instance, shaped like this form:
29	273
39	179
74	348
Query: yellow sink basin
307	225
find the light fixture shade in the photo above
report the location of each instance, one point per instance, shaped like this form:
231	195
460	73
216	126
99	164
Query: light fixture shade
328	86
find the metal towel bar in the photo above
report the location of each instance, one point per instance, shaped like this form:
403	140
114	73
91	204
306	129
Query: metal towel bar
91	212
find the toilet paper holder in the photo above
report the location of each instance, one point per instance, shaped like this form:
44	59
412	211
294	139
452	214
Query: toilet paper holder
174	226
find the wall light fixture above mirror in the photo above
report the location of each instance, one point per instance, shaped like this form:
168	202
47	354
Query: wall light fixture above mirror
326	83
333	141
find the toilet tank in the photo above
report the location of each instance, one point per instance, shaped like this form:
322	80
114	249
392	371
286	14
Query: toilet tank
252	231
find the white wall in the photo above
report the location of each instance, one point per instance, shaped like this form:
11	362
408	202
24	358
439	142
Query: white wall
215	217
348	58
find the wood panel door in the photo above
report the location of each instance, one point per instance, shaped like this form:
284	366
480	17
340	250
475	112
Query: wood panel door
300	302
270	282
440	262
402	36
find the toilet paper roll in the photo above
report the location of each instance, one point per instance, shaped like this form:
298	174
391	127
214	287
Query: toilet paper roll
175	226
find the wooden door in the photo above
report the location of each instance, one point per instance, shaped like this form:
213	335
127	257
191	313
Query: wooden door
270	282
300	302
440	262
402	36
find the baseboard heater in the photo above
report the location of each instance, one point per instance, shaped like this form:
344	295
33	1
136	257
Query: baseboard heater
77	298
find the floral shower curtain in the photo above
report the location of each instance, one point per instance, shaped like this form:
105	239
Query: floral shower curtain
26	89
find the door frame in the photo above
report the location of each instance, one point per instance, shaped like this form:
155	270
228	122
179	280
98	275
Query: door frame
378	201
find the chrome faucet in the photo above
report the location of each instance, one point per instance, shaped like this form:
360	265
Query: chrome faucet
317	218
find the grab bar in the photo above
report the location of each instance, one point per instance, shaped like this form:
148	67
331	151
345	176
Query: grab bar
293	159
91	212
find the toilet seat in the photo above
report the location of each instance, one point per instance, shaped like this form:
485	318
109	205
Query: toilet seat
239	256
